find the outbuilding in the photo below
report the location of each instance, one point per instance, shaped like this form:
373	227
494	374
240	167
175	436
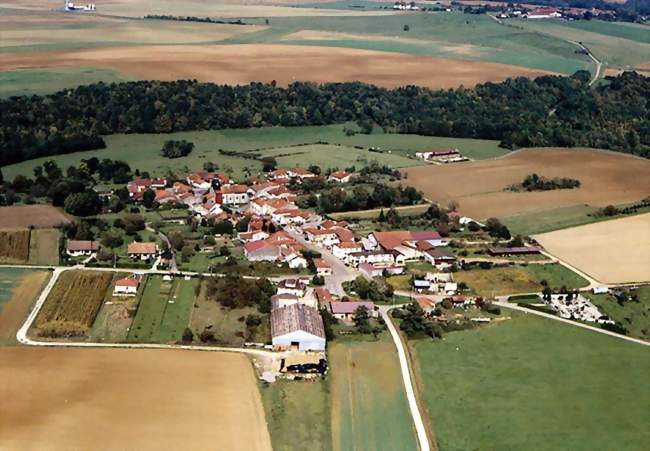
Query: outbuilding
297	326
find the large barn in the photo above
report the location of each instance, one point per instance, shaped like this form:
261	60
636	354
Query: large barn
297	326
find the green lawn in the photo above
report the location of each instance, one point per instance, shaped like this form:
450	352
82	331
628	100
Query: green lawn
164	311
556	275
369	408
635	317
298	415
535	384
141	151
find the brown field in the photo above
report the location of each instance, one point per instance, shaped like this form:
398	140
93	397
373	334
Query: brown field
73	303
17	308
44	247
39	216
128	399
14	246
613	251
606	177
241	64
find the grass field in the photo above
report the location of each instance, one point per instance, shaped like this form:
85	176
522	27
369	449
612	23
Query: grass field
557	276
73	303
18	290
635	317
142	151
136	399
611	251
164	311
532	383
369	409
298	415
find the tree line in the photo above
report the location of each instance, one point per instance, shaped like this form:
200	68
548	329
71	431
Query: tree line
546	111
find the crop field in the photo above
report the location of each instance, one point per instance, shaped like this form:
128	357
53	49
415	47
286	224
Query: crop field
142	151
18	290
533	383
164	311
73	303
404	210
606	178
613	251
118	399
369	408
634	316
518	279
14	246
38	216
44	247
298	415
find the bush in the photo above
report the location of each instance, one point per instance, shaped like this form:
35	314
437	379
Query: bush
176	149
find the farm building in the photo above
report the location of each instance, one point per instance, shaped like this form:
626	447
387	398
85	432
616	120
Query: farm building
345	311
127	286
283	300
340	177
323	268
426	304
143	251
76	248
543	13
297	326
439	257
523	250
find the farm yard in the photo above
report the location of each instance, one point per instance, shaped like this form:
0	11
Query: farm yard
18	290
160	391
606	178
531	389
73	304
613	251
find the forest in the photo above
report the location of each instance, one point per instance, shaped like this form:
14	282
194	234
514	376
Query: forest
546	111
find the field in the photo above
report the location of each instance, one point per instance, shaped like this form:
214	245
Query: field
611	252
143	151
634	316
14	246
38	216
164	311
518	279
369	408
73	303
606	177
44	247
18	289
116	399
298	415
533	383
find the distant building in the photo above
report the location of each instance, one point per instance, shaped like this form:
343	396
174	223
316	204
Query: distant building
543	13
127	286
77	248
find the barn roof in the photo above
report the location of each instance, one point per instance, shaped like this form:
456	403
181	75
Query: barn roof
295	318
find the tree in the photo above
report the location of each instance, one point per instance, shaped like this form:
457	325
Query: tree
407	28
318	280
85	203
517	241
176	149
269	164
188	335
112	240
148	198
362	320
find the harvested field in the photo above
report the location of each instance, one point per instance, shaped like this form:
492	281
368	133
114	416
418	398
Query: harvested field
73	303
14	246
18	290
44	247
241	64
606	177
613	251
38	216
118	399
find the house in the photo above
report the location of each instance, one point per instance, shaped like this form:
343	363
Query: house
76	248
450	288
323	296
340	177
292	257
343	249
543	13
138	185
345	311
283	300
378	269
375	257
301	174
421	285
292	286
297	326
143	251
323	268
325	238
234	194
252	236
395	238
127	286
439	258
439	277
261	250
163	196
426	304
522	250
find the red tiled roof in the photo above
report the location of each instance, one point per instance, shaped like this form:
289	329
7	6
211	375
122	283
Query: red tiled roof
141	248
346	308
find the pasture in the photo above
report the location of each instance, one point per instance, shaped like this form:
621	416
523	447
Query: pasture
613	251
73	304
18	290
142	151
37	216
164	310
606	178
119	399
369	409
533	383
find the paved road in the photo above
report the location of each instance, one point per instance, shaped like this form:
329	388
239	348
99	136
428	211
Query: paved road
420	429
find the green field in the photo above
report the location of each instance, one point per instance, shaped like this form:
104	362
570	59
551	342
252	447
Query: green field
549	220
141	151
535	384
369	408
557	276
9	279
298	415
635	317
164	311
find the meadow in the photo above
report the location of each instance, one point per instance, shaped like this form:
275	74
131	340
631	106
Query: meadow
142	151
164	311
517	384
